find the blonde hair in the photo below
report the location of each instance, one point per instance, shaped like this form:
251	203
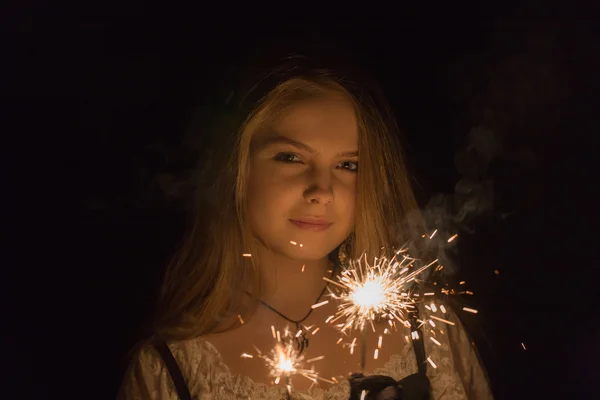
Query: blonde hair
205	281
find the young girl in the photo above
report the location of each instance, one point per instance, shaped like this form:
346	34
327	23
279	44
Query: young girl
289	204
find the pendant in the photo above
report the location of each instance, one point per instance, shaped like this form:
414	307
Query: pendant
301	340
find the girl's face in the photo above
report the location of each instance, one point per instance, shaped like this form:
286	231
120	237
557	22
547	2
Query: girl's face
302	182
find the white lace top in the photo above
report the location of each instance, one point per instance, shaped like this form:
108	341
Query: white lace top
458	374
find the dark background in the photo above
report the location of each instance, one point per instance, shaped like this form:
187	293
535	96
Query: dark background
96	104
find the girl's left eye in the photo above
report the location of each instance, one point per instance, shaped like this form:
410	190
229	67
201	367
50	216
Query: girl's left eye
351	166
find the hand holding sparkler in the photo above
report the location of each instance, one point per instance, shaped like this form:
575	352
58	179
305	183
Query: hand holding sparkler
380	387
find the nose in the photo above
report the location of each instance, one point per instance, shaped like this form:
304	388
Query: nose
320	190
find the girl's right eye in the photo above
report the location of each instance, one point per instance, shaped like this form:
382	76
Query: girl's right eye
289	158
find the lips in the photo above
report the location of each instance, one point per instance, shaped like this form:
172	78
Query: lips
311	224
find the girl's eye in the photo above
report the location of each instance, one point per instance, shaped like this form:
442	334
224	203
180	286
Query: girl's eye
287	158
351	166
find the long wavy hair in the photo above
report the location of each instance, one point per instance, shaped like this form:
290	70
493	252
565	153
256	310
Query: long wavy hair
204	282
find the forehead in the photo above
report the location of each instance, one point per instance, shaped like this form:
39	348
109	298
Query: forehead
332	118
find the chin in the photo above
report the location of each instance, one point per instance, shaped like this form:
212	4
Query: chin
306	253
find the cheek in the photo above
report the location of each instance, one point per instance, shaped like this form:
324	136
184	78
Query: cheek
268	193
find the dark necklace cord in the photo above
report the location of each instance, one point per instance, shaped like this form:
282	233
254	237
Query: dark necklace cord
302	341
298	322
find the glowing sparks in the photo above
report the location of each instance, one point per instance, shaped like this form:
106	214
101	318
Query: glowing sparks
377	290
329	319
433	234
453	237
273	332
523	345
434	340
443	309
246	255
379	342
284	361
376	354
339	341
471	310
240	319
303	265
315	331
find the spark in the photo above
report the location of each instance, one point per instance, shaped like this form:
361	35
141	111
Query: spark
461	282
294	243
523	345
303	265
379	342
497	272
433	307
431	362
471	310
273	331
240	318
443	309
319	304
339	341
434	340
363	395
442	320
433	234
352	346
453	237
376	354
246	355
246	255
315	331
329	319
312	360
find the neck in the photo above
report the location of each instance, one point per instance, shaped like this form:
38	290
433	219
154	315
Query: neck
290	288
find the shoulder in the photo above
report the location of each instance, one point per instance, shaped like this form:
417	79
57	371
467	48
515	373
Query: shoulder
148	376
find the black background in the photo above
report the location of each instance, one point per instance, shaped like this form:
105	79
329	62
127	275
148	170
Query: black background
96	100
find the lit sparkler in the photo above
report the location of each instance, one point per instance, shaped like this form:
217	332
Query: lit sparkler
384	290
370	292
284	361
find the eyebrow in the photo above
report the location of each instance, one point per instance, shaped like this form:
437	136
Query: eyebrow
280	139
